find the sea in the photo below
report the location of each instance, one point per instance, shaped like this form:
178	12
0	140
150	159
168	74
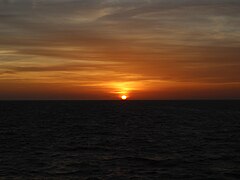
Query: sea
120	140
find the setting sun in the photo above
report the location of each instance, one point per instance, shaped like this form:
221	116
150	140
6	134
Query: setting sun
124	97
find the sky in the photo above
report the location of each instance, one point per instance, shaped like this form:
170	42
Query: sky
103	49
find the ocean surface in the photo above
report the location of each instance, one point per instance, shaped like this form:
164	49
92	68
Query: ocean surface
117	140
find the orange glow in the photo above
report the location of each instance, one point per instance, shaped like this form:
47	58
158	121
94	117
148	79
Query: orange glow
124	97
95	53
125	88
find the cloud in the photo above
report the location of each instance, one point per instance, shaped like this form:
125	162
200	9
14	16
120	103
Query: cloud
172	40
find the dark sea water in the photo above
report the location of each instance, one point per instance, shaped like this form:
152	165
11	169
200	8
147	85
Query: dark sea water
120	140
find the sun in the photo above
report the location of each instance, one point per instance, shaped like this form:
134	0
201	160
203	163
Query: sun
124	97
